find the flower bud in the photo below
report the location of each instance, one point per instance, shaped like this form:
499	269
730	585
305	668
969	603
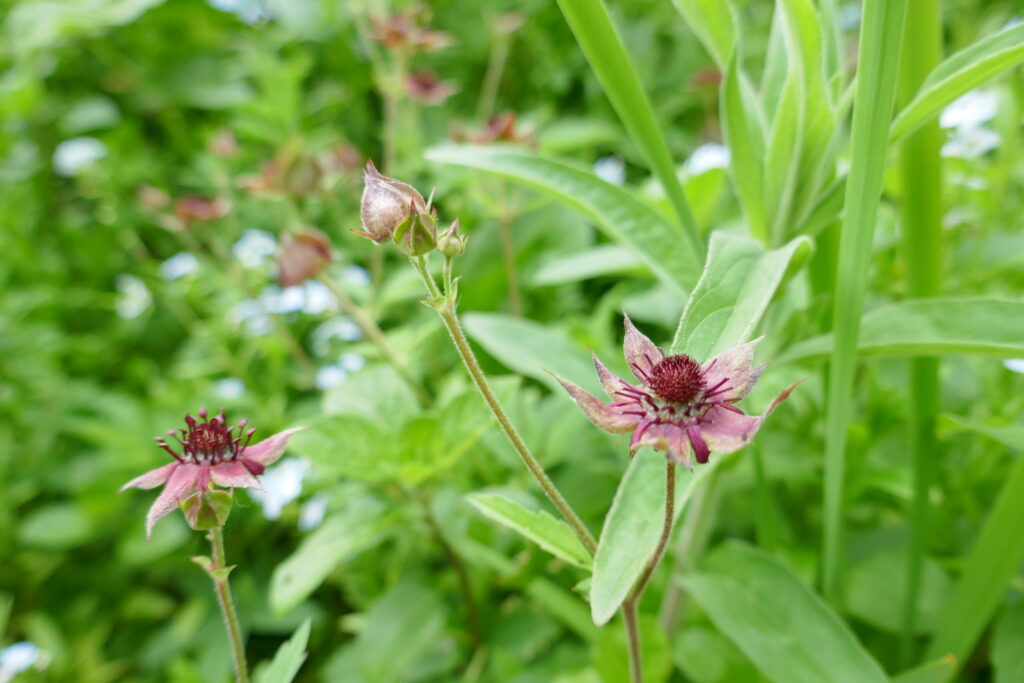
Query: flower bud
303	257
206	509
451	242
196	209
417	233
386	204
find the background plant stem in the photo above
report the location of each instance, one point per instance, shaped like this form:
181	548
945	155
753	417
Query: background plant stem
920	167
227	605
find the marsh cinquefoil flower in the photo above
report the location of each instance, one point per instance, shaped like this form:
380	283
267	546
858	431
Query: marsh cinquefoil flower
680	406
211	452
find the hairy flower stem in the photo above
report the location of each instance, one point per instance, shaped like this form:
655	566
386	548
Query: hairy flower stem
227	604
374	334
629	606
444	304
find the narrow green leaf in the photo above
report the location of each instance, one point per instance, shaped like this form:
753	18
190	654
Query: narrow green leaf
560	603
941	670
878	61
288	658
343	535
714	23
1007	644
743	127
625	219
538	526
931	327
991	565
876	592
600	42
739	280
599	261
782	156
632	528
532	349
789	633
958	74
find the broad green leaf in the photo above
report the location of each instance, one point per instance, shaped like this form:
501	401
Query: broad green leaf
774	618
1010	435
350	446
958	74
57	526
398	630
569	608
941	670
625	219
538	526
714	22
743	127
376	391
739	280
1007	646
599	261
600	42
289	657
876	592
706	656
632	528
532	349
345	534
931	327
992	563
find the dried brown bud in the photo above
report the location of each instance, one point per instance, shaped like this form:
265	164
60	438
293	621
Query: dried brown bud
426	88
303	257
196	209
386	204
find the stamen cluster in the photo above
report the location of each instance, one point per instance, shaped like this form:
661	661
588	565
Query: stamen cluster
208	442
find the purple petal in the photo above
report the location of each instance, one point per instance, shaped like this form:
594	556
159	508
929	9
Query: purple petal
665	436
151	479
641	353
611	382
180	483
267	452
725	431
605	417
731	370
699	447
234	474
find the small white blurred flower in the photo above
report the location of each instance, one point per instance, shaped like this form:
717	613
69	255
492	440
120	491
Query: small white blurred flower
17	658
311	514
76	154
133	297
311	297
252	315
229	387
970	110
849	16
611	169
178	266
330	376
357	276
352	362
249	11
341	327
254	248
706	157
281	485
969	143
1014	365
318	299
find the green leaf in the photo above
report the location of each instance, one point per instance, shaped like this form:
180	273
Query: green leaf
349	446
876	592
569	608
376	392
288	658
360	526
782	155
744	130
57	526
774	618
739	280
600	42
931	327
549	533
958	74
610	654
714	22
941	670
532	349
992	563
399	629
1007	644
599	261
633	526
625	219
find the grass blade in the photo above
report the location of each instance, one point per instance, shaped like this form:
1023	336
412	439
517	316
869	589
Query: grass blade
879	54
714	22
600	42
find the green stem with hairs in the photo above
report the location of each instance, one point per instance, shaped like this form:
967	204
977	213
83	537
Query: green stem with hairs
227	604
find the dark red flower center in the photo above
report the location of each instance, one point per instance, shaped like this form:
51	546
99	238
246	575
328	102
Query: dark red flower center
209	441
677	379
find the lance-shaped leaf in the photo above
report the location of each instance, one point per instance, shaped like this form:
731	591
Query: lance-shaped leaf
538	526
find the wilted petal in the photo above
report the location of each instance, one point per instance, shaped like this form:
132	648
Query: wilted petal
640	352
726	431
605	417
151	479
180	483
612	383
733	367
270	449
234	474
